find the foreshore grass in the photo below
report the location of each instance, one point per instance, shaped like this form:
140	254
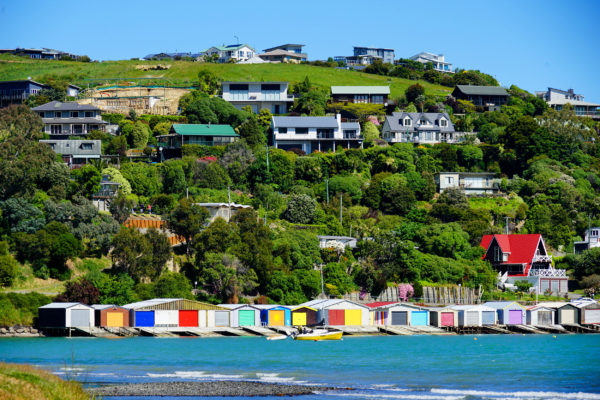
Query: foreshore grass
24	382
186	72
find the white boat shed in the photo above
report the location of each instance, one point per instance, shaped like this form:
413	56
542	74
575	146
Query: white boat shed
475	315
65	315
338	312
243	315
398	314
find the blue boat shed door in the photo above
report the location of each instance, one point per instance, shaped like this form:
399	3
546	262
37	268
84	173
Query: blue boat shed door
488	317
419	318
144	318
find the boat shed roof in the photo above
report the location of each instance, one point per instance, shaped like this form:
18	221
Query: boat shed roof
64	305
327	303
172	304
236	306
105	306
472	307
501	305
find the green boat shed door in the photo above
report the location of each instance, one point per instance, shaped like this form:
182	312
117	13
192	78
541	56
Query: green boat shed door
246	318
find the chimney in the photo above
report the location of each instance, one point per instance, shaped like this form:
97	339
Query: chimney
338	117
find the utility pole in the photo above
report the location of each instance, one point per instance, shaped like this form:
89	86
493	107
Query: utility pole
340	208
322	288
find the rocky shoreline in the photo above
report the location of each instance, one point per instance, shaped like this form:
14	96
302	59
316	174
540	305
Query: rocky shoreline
20	331
207	389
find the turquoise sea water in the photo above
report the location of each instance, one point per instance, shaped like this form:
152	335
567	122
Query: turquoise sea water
384	367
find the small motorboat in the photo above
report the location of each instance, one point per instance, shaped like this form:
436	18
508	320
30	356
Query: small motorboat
276	337
319	334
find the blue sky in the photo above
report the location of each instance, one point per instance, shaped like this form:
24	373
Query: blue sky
532	44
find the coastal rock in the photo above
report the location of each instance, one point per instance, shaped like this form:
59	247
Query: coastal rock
33	330
212	389
3	331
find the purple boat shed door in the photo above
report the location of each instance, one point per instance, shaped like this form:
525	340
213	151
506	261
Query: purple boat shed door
515	317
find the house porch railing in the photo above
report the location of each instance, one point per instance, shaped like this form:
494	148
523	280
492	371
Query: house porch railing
542	258
548	273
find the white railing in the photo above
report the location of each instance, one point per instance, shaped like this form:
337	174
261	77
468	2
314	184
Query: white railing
550	273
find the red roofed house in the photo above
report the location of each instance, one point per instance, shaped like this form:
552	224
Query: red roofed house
524	258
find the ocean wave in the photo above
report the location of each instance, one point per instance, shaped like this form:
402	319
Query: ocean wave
519	395
406	396
71	369
201	375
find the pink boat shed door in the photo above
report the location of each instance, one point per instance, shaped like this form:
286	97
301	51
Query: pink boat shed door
447	319
515	317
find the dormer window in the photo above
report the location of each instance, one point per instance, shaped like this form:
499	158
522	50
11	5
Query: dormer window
422	121
407	122
443	122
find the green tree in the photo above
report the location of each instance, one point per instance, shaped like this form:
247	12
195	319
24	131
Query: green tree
116	176
131	254
251	131
161	252
208	82
120	207
140	134
186	220
19	120
370	132
311	103
9	268
173	285
300	209
87	180
414	91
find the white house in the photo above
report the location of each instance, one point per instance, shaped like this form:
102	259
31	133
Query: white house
408	127
472	183
326	241
592	239
438	61
234	52
270	95
557	99
311	134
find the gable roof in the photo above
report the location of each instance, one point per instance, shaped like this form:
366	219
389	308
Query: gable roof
305	122
230	47
67	106
521	248
203	130
394	124
75	147
360	90
64	305
501	305
283	46
482	90
280	52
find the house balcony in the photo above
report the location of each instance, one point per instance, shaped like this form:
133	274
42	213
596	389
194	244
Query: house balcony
542	258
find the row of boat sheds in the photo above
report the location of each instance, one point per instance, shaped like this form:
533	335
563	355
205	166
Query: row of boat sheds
177	317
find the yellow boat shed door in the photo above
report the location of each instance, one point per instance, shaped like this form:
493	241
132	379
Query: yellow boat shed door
299	319
353	317
114	319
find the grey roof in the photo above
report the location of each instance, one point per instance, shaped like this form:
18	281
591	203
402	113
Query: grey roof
360	90
467	173
63	305
104	306
283	45
500	305
329	237
259	82
68	106
482	90
88	120
305	122
75	147
350	125
393	121
279	52
25	80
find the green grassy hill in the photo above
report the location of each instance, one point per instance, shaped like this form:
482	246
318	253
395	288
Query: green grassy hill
180	72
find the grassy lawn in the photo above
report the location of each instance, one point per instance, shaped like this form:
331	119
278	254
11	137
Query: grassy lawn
23	382
182	72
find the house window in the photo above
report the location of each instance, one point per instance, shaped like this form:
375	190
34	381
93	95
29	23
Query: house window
74	114
443	122
302	131
48	114
282	130
594	233
349	133
361	98
407	122
87	146
497	254
56	129
377	99
323	133
450	180
89	114
57	114
422	121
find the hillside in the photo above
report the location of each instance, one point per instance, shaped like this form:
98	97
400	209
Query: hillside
180	72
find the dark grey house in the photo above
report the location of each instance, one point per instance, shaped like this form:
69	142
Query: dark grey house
76	152
62	120
16	92
488	97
